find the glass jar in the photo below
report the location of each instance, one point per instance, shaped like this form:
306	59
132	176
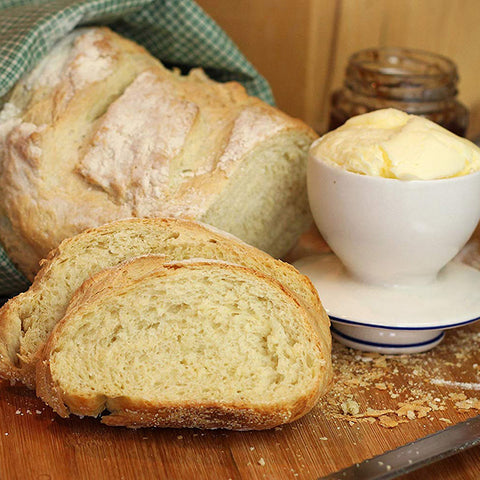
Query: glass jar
415	81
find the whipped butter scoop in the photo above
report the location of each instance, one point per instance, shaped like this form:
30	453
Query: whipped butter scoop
393	144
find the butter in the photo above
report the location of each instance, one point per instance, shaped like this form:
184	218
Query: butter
393	144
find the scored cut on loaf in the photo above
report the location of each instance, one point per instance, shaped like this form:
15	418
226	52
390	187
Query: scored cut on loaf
195	343
100	130
27	319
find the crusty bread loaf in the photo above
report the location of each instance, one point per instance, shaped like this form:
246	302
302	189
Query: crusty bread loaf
196	343
27	320
101	131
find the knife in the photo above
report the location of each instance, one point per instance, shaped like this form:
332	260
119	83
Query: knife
416	454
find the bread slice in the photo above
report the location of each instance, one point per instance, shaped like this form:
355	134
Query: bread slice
27	320
195	343
100	130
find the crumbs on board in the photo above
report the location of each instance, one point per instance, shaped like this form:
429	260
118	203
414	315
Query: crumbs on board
394	389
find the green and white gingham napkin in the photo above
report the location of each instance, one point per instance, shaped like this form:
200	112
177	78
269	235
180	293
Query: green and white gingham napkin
178	32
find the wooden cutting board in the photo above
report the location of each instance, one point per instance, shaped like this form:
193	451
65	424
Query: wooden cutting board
377	403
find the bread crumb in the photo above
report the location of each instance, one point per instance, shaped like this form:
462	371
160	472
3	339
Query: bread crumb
387	421
446	420
350	407
261	461
468	404
381	362
394	389
376	413
413	410
180	437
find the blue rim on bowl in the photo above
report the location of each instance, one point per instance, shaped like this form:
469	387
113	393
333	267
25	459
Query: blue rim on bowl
427	343
391	327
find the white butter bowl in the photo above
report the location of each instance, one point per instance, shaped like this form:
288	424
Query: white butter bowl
388	231
391	239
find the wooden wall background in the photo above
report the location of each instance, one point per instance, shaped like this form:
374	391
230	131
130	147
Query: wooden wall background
302	46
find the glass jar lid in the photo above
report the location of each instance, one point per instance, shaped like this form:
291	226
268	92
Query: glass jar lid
402	74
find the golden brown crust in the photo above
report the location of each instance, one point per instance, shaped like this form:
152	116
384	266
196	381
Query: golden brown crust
229	417
10	334
65	167
139	413
48	390
135	414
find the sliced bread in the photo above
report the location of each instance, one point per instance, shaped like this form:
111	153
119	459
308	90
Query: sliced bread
196	343
27	320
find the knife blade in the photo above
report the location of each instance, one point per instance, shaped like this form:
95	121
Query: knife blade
413	455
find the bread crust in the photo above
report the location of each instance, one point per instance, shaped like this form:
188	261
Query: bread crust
20	366
114	135
11	368
126	412
134	413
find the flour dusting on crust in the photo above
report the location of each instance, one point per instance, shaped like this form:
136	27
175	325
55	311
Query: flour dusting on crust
135	142
251	127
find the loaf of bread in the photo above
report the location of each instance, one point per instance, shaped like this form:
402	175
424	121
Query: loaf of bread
100	130
27	320
197	343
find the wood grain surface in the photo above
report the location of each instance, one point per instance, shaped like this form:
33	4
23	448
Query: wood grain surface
302	47
37	444
377	403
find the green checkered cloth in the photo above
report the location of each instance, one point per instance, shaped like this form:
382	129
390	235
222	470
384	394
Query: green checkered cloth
178	32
